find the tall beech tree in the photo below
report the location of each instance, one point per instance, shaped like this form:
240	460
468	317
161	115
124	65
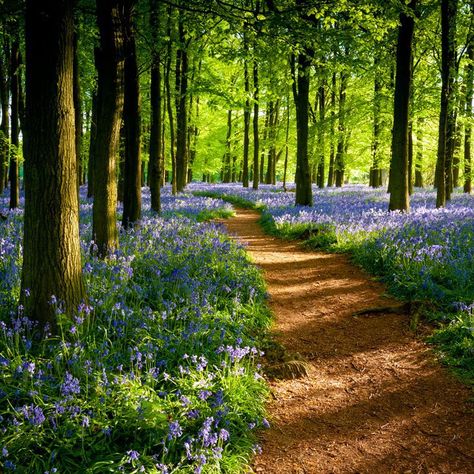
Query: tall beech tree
446	137
110	67
154	164
51	247
132	198
398	186
469	77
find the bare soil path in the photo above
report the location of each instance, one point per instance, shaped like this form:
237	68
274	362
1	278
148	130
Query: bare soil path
374	400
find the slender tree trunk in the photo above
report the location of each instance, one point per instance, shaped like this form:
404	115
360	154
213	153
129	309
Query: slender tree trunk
181	108
92	147
264	142
256	111
322	118
375	169
132	124
469	74
287	136
419	153
169	105
245	173
110	65
5	125
226	168
443	175
51	246
339	161
399	192
154	164
15	124
410	157
332	154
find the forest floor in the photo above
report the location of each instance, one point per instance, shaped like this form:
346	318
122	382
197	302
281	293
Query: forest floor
374	398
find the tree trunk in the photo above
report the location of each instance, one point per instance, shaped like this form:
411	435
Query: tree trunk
92	147
322	118
132	198
419	153
110	65
469	74
154	164
399	195
245	173
301	83
169	106
181	108
51	246
77	110
332	154
256	149
5	125
227	166
375	169
443	175
410	157
15	124
339	161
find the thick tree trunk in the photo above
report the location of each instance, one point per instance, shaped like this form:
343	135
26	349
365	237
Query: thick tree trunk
132	197
13	174
399	192
110	64
332	154
448	65
339	160
51	247
301	83
154	164
77	111
5	125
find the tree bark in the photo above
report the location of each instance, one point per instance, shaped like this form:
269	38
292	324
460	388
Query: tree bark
92	147
443	175
245	172
154	164
77	110
181	107
301	83
5	125
332	153
399	192
375	169
15	124
339	160
132	197
110	65
469	74
419	153
51	246
256	111
322	118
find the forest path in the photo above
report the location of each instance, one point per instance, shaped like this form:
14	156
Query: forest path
375	400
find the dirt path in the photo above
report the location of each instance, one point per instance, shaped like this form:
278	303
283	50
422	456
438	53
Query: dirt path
374	400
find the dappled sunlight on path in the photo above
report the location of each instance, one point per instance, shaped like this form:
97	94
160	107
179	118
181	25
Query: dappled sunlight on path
375	399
